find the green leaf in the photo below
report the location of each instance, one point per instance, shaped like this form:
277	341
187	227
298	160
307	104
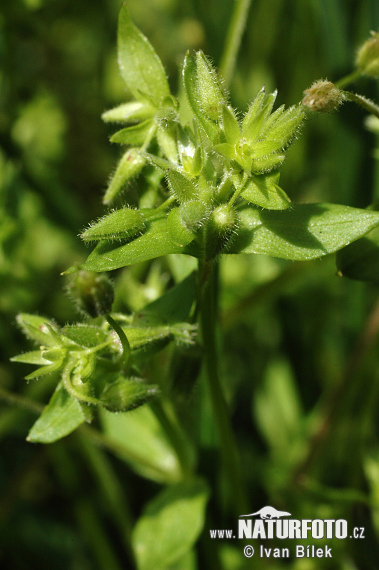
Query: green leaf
121	224
302	232
134	135
140	66
139	439
175	305
129	112
263	191
62	415
155	242
177	229
170	525
360	260
129	166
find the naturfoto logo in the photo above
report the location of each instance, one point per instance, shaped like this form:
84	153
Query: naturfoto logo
272	524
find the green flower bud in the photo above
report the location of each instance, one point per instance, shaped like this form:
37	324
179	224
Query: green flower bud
120	224
125	394
211	96
219	229
323	96
368	56
92	293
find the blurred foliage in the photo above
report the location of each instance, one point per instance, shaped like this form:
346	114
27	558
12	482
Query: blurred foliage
300	345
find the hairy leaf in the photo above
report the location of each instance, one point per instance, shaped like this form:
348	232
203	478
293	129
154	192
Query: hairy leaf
140	66
302	232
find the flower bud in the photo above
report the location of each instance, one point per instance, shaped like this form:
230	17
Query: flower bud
368	56
92	292
183	222
211	96
323	96
125	394
219	229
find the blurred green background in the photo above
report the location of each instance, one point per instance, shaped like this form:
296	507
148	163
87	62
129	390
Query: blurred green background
300	365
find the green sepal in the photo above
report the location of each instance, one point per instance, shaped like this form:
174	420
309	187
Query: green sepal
264	191
167	142
191	90
182	188
38	329
32	357
84	335
210	93
129	166
126	394
140	66
134	135
122	224
302	232
129	112
230	125
62	415
47	369
257	114
360	259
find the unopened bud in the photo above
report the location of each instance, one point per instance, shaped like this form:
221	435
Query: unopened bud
368	56
125	394
323	96
219	229
92	292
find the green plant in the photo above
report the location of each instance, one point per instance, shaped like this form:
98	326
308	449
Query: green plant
212	189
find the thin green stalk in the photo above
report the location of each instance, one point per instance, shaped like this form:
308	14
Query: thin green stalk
341	83
229	451
233	39
367	104
126	350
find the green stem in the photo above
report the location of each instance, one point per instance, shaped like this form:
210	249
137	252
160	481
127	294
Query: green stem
341	83
367	104
229	451
233	39
126	350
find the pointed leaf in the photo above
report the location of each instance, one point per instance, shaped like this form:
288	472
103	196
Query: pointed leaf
140	440
134	135
140	66
360	260
263	191
302	232
160	537
62	415
211	95
129	112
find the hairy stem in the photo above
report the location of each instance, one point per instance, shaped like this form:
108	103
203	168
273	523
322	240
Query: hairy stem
208	321
341	83
367	104
233	39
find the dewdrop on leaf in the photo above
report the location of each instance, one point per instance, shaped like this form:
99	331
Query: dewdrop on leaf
323	96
